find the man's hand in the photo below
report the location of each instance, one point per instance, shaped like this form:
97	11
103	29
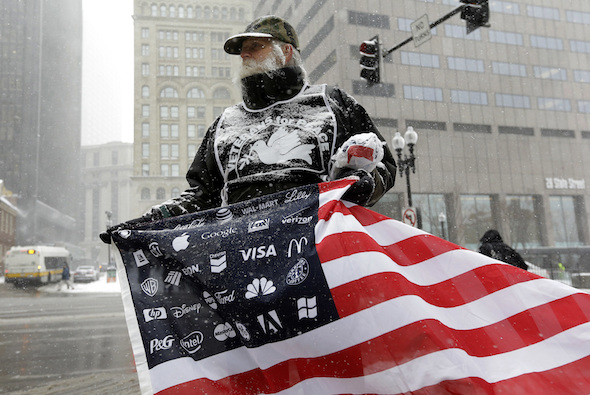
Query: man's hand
361	191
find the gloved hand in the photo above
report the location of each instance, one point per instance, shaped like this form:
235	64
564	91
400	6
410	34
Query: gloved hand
362	151
361	191
106	236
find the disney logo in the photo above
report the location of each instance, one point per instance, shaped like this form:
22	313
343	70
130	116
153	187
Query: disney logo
179	312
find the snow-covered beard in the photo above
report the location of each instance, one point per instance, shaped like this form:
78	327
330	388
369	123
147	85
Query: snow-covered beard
275	60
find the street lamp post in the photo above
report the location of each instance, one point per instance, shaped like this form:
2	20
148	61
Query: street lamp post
409	161
442	218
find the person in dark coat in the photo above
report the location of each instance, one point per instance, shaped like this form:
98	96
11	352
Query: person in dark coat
65	278
493	246
285	133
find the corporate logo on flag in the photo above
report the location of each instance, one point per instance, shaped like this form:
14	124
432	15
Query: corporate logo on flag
179	312
218	262
181	242
223	332
159	345
210	300
298	272
140	258
173	277
155	313
155	250
149	286
260	287
307	307
243	331
296	219
259	225
192	342
270	322
298	244
262	251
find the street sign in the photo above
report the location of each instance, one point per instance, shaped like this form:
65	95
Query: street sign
421	30
410	216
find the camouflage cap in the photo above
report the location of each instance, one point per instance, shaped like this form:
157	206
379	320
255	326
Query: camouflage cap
269	26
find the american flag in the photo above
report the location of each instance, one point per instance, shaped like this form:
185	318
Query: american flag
390	310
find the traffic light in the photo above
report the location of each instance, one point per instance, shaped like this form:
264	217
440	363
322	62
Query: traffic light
476	13
370	60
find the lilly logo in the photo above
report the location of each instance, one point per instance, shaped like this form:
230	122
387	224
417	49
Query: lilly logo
259	288
181	242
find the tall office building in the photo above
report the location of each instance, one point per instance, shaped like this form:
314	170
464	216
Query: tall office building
183	81
502	113
40	96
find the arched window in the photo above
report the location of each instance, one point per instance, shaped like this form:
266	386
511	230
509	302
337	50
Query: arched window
233	14
207	12
168	92
221	93
215	12
181	12
145	91
175	192
163	10
196	93
189	12
241	14
160	194
154	10
145	194
172	11
198	12
224	13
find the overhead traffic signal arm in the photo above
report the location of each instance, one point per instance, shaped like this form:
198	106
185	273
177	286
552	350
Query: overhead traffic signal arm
476	13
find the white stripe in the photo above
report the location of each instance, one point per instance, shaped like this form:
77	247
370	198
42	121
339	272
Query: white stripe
332	194
440	268
368	324
454	364
385	232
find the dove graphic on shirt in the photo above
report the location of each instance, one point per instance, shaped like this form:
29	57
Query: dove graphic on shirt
282	146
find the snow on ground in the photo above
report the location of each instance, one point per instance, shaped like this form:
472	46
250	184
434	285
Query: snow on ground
100	286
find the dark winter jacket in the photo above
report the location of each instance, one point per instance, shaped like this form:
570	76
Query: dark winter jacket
493	246
65	274
281	136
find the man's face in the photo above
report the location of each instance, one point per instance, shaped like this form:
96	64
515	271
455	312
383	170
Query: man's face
260	55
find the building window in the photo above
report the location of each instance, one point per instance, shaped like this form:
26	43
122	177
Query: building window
578	17
96	159
160	193
191	131
222	94
191	151
174	130
154	10
174	112
504	7
164	151
465	64
580	46
566	221
476	215
553	104
469	97
145	169
550	73
145	32
145	150
175	170
145	129
145	69
455	31
164	131
165	170
145	50
422	93
420	59
196	93
584	106
145	91
514	101
201	129
582	76
523	218
505	38
546	42
201	112
511	69
190	112
145	110
145	194
164	112
169	92
431	206
175	192
543	12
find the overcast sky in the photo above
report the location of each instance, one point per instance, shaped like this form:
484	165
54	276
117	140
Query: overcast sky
107	90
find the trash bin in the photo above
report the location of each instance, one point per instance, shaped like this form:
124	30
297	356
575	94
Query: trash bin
111	274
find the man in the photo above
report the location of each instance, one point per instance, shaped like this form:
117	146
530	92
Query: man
286	133
493	246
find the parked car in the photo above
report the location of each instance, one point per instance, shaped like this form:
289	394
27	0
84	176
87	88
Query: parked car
86	273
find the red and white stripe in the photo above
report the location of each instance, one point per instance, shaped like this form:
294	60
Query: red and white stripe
418	315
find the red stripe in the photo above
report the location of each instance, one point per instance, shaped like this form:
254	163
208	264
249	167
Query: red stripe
332	185
407	252
398	347
464	288
363	215
567	379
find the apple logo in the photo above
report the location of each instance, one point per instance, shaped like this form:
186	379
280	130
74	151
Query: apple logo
181	242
